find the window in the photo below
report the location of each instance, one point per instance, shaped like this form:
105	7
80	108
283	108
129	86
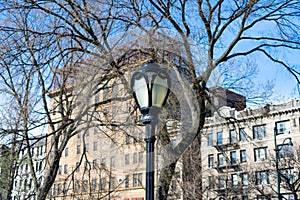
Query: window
260	154
25	185
54	189
78	149
65	188
245	197
77	167
59	169
126	181
40	180
85	186
244	179
243	156
141	137
103	162
211	182
58	189
40	165
67	152
95	147
243	136
37	151
65	168
21	183
285	151
77	186
283	127
219	138
135	180
95	129
87	146
94	184
262	177
263	197
87	166
220	160
140	179
141	157
95	164
259	131
221	182
210	160
49	193
288	196
112	182
36	166
112	161
233	157
134	158
127	139
232	136
126	159
234	180
287	175
210	139
106	93
173	186
96	98
102	184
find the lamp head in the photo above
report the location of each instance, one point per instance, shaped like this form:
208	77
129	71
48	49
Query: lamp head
150	86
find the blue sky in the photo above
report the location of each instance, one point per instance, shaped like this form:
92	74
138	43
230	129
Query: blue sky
285	83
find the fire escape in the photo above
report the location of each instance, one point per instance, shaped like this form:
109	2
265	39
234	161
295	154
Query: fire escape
226	165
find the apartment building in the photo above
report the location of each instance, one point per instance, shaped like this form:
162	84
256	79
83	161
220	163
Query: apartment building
99	168
23	183
5	179
94	166
240	154
105	159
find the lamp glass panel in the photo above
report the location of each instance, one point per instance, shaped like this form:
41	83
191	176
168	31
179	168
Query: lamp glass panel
159	91
141	92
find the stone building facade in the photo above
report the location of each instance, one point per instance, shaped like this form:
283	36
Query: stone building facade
239	152
23	183
105	159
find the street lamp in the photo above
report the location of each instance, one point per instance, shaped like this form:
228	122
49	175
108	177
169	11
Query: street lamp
150	86
290	143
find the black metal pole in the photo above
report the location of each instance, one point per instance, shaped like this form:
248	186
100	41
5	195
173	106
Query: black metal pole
276	164
150	140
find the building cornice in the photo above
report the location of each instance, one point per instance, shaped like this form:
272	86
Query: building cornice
248	114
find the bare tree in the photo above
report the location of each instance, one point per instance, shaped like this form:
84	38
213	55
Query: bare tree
41	37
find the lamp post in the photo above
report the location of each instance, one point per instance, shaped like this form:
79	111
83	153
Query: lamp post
277	159
150	86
